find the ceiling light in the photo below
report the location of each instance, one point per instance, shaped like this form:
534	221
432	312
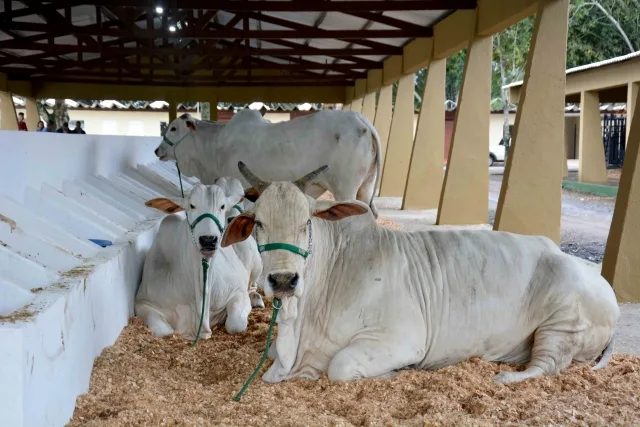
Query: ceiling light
159	10
172	28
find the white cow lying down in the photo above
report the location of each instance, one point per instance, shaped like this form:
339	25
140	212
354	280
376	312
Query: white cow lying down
246	250
283	151
169	299
370	300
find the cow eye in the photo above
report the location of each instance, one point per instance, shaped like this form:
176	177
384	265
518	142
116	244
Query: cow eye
173	129
259	225
223	206
230	219
192	207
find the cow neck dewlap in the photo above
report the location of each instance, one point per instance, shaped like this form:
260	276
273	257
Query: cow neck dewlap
316	274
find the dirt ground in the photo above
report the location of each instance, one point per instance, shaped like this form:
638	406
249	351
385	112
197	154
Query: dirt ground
147	381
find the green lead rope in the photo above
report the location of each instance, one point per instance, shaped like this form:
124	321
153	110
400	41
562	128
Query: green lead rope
277	304
205	270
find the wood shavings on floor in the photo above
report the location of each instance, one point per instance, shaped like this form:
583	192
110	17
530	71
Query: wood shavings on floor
147	381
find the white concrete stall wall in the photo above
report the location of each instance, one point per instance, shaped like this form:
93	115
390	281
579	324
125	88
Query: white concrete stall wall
62	297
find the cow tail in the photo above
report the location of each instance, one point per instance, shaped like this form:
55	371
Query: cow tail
606	355
376	136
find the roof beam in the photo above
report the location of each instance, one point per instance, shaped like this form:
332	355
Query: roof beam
289	6
136	33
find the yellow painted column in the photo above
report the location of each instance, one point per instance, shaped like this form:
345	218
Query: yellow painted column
8	115
213	110
33	116
565	168
592	167
382	120
531	193
632	98
346	107
465	192
621	263
400	144
173	110
356	105
369	106
424	183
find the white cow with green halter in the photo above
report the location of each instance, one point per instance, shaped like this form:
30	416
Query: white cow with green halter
186	250
345	140
246	250
362	301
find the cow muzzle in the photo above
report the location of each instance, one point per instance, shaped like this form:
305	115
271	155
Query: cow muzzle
208	245
283	284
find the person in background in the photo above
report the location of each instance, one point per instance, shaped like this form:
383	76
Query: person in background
40	127
78	129
50	126
21	124
64	128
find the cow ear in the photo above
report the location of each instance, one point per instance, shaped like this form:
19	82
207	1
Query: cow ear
332	211
238	230
165	205
251	194
191	125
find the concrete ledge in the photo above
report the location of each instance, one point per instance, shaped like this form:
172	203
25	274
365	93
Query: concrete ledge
589	188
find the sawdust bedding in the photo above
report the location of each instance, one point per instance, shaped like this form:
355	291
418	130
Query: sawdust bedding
143	380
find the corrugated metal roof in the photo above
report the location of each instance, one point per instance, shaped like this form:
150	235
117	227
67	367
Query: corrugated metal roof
600	64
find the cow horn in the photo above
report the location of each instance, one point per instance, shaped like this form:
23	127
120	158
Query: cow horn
256	182
302	183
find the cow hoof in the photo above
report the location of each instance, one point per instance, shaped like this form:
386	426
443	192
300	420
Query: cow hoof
256	301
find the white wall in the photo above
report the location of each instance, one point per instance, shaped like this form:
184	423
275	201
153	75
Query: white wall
75	297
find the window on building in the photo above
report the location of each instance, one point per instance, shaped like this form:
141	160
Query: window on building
136	128
109	127
163	127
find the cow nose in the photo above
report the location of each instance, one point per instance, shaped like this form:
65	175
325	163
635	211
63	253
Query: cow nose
283	282
156	151
208	242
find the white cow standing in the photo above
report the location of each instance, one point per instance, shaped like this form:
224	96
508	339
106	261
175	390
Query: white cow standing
345	140
169	299
246	250
370	300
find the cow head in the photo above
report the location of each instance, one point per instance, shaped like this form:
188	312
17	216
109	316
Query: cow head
206	207
233	188
177	130
281	219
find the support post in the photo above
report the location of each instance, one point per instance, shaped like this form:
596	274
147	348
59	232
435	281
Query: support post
369	106
382	120
33	116
396	165
8	115
531	193
621	263
213	110
346	107
465	192
356	105
424	182
592	167
632	98
173	110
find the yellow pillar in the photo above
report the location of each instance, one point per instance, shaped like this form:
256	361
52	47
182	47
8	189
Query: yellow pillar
465	192
592	167
173	110
531	193
632	98
356	105
213	110
396	165
621	264
382	120
424	182
33	116
346	107
369	106
565	168
8	115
